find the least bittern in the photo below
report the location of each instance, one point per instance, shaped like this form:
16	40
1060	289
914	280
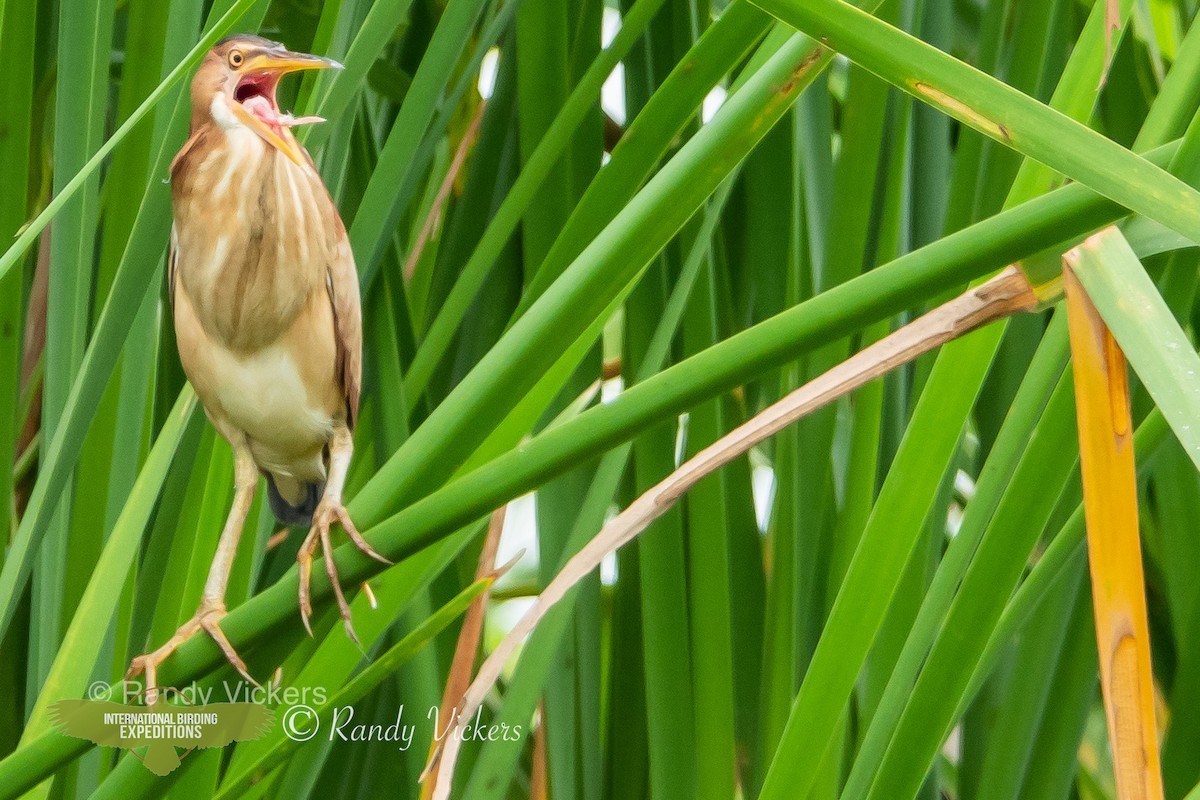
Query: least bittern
267	316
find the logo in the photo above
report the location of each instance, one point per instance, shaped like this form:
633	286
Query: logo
162	728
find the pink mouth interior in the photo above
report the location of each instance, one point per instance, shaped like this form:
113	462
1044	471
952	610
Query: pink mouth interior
256	93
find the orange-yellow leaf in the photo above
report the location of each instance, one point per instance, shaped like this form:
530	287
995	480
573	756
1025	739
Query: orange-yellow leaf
1114	550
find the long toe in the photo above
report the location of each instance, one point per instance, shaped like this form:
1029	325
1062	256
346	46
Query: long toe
304	558
148	663
210	622
357	538
318	536
335	582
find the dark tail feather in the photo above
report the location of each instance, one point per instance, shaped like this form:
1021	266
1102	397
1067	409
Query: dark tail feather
295	514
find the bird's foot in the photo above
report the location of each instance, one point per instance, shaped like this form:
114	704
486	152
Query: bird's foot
207	618
328	512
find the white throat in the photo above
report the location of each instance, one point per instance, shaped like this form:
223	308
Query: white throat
223	114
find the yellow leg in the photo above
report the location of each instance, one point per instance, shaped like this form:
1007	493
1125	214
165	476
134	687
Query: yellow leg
329	510
212	601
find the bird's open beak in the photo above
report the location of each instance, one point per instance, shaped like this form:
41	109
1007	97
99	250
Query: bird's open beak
285	61
254	96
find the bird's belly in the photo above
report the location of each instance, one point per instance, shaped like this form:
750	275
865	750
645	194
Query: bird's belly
264	396
271	397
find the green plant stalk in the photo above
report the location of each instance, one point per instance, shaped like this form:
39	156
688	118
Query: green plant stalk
1018	520
871	755
1034	36
643	227
811	504
708	579
855	511
80	649
400	196
1066	546
329	36
333	93
791	767
377	214
970	155
883	230
149	55
1022	420
30	233
1069	211
543	44
18	25
84	40
882	553
537	659
983	589
1157	348
504	222
1177	492
996	110
140	265
1049	776
780	651
1035	657
380	668
525	415
1076	97
663	118
665	634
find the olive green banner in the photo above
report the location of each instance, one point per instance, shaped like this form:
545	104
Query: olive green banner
161	728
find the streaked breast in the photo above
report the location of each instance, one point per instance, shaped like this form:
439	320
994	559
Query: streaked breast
255	234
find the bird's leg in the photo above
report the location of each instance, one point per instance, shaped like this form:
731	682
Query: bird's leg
212	601
329	510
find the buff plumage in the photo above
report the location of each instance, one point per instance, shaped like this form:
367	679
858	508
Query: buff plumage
267	315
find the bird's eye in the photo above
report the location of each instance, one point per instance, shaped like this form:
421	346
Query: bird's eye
236	58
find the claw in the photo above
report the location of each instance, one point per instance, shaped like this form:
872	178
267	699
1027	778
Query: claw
318	535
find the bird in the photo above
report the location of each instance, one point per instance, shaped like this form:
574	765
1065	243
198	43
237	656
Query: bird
265	299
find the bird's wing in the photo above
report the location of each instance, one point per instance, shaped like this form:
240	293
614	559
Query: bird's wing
238	722
193	140
341	279
84	719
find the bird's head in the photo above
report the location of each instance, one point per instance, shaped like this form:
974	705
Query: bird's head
235	86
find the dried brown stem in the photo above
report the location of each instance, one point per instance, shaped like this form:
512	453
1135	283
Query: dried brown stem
439	201
468	641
